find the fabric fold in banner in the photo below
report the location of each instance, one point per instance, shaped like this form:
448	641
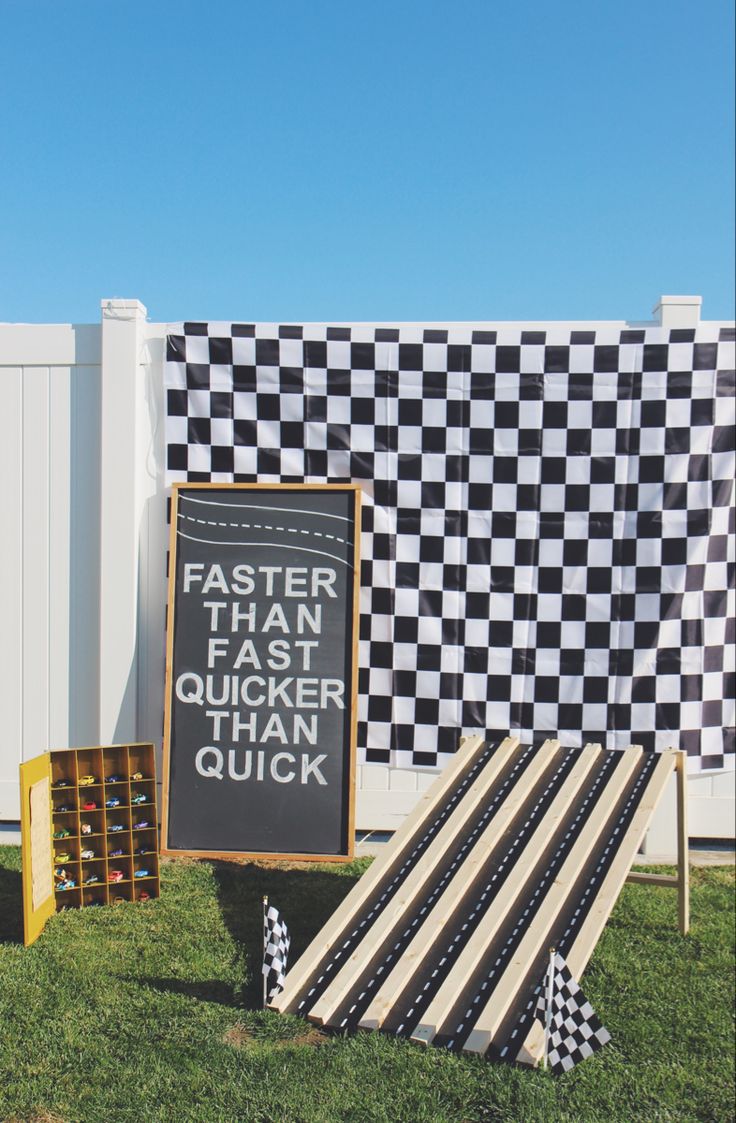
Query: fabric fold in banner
276	944
574	1029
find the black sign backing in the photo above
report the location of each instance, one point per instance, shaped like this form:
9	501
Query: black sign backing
261	677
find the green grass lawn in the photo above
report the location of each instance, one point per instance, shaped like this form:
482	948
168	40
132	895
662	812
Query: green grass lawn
150	1012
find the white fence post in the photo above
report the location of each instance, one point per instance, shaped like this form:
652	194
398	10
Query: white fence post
121	509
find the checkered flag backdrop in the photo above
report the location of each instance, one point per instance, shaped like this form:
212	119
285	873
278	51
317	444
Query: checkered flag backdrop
548	522
276	944
575	1031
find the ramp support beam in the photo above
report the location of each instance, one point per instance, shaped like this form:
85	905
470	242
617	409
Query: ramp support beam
681	881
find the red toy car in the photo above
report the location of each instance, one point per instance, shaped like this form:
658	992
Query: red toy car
115	875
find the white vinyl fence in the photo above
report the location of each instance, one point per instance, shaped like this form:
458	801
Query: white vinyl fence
82	561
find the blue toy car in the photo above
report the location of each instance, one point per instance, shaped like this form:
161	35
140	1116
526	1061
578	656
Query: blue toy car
141	873
113	801
115	827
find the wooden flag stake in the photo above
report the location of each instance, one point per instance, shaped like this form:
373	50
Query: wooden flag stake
265	945
548	1004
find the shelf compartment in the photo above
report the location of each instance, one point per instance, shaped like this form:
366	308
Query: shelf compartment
120	893
115	762
93	896
89	763
152	891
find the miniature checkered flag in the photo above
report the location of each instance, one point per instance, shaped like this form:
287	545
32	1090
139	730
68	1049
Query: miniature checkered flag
572	1028
276	944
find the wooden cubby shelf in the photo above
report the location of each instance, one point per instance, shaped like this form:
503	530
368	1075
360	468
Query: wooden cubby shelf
103	840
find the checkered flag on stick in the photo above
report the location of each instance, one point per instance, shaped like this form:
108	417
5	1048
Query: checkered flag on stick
572	1030
276	944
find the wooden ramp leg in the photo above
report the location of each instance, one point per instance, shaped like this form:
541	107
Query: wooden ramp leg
683	866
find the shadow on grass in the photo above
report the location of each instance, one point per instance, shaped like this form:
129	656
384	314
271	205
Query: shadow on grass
11	907
208	990
305	897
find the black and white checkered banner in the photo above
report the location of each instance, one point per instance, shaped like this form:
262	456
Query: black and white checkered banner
574	1030
548	520
276	944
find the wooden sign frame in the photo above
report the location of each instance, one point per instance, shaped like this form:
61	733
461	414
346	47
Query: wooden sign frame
346	853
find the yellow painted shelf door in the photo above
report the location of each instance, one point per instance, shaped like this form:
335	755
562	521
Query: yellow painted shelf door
38	859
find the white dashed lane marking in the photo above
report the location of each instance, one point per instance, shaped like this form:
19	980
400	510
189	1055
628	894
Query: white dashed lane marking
265	526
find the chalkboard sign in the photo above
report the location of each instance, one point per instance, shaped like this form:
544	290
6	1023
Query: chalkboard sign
261	679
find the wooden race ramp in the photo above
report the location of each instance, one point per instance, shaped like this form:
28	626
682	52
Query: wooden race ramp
513	850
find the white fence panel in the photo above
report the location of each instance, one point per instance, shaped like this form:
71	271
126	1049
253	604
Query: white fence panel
49	504
11	570
83	559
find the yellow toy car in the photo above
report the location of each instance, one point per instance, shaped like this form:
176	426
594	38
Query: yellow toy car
85	781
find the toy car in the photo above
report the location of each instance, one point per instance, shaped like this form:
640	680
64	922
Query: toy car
92	879
113	801
86	781
86	828
61	833
118	900
61	784
63	857
143	850
70	883
63	807
142	873
90	805
139	826
137	776
144	896
117	852
115	875
115	827
138	797
87	853
114	779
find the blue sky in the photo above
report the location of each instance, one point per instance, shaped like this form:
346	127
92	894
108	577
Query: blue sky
329	160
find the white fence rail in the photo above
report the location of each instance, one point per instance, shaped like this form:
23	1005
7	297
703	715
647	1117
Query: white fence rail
82	580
